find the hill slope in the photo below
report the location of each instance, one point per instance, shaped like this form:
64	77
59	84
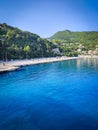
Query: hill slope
76	42
73	37
18	44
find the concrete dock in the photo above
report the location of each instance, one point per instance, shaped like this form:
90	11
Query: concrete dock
16	64
7	68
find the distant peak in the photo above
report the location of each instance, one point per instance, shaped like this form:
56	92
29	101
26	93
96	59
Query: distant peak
63	31
67	30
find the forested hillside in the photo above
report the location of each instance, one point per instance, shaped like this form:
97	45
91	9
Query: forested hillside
71	43
18	44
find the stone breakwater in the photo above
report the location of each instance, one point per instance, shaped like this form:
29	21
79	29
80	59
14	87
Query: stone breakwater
16	64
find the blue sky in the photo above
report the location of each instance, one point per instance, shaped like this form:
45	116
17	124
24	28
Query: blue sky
46	17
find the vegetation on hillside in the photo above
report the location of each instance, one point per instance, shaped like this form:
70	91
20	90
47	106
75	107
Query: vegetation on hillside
18	44
75	43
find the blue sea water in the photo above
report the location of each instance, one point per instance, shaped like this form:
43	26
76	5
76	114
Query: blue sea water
53	96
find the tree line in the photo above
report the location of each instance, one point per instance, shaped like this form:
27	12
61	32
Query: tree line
18	44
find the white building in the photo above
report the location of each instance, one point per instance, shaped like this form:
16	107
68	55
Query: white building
56	51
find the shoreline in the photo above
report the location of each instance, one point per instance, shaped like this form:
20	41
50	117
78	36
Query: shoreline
88	56
17	64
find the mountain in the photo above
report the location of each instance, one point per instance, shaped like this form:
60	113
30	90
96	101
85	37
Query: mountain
18	44
61	35
73	37
75	43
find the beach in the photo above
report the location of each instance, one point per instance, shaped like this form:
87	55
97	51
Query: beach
17	64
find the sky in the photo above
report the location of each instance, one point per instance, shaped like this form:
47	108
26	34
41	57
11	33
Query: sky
46	17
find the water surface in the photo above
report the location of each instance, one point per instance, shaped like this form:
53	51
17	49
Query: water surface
54	96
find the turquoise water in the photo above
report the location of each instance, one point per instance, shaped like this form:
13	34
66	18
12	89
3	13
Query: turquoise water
54	96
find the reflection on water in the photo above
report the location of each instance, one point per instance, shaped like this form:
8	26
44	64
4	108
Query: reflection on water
54	96
88	62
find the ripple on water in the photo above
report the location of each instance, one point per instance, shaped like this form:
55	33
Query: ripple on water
54	96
